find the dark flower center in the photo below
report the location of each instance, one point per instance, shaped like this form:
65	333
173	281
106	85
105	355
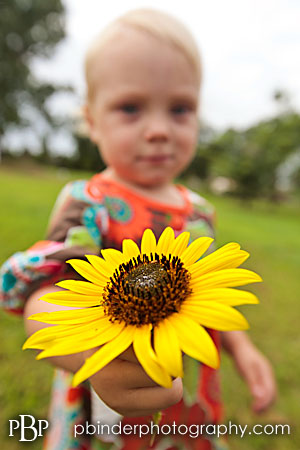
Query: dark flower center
146	290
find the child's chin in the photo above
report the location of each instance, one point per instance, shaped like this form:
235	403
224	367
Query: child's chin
154	181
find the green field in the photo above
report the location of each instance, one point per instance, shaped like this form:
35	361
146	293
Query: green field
271	233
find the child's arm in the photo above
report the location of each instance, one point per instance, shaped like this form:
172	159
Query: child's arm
253	366
123	384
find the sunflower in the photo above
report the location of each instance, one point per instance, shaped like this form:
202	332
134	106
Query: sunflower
159	298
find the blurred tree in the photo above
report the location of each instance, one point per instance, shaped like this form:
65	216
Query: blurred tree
253	156
283	100
204	156
86	156
256	159
28	29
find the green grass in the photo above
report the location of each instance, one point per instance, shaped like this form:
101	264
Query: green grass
270	233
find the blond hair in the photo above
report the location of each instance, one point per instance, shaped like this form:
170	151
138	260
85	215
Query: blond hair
158	24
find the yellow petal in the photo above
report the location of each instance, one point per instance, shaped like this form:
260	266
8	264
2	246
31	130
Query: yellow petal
231	262
167	348
232	248
69	316
94	338
148	244
113	257
180	244
41	336
87	271
218	260
194	340
49	334
130	249
146	356
224	278
68	298
165	241
195	250
59	335
105	355
227	296
103	268
42	346
81	287
216	315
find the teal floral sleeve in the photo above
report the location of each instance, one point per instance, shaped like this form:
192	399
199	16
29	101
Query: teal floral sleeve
75	229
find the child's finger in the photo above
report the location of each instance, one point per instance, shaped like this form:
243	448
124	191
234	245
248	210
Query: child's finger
262	384
141	401
129	355
124	375
264	393
148	401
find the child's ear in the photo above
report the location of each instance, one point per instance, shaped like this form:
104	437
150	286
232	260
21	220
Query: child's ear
89	122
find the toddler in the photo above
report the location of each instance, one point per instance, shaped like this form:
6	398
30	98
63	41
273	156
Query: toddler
143	79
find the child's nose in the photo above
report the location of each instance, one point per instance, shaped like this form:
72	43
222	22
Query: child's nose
157	128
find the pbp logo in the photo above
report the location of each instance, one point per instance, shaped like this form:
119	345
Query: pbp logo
27	422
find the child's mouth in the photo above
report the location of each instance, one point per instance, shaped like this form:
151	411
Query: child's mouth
156	159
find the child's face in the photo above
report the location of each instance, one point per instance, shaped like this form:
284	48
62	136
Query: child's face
143	115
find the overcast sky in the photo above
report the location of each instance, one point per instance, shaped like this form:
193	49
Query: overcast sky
249	49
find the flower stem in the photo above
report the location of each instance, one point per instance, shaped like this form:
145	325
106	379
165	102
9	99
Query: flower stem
156	418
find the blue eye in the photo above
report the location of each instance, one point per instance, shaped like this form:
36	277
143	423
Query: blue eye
129	108
180	109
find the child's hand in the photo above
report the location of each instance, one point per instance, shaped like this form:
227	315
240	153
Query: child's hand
123	384
254	368
125	387
258	374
